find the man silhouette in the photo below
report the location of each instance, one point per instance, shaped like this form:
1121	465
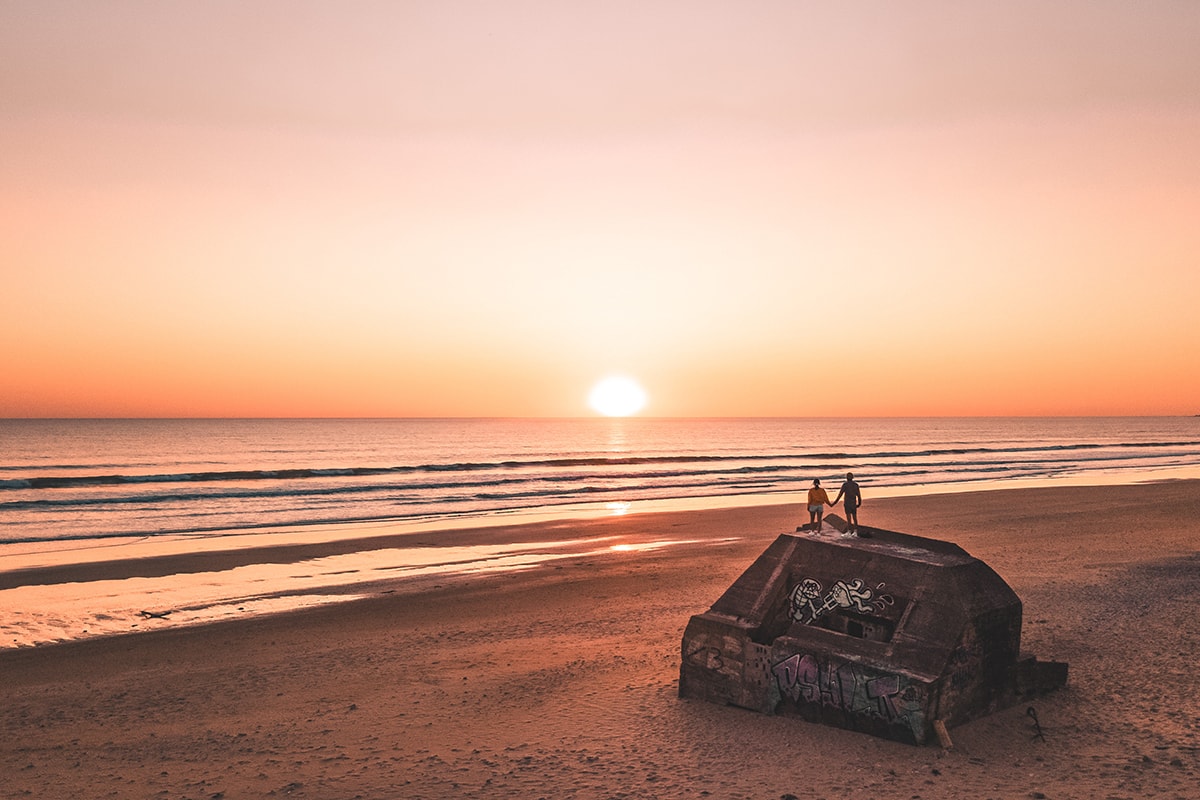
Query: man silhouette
853	497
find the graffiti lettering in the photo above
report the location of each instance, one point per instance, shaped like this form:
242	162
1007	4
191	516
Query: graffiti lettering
710	656
848	687
797	678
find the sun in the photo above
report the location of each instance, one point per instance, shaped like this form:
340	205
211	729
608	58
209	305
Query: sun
617	396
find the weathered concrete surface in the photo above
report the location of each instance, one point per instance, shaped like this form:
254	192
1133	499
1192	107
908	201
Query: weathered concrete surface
883	634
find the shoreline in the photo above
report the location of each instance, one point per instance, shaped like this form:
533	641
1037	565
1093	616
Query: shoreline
198	580
559	680
345	536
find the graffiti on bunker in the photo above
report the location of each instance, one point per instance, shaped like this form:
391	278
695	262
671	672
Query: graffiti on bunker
853	595
851	688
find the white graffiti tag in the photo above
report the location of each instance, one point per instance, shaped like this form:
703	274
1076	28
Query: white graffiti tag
841	595
804	607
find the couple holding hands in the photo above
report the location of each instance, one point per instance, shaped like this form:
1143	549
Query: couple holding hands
818	499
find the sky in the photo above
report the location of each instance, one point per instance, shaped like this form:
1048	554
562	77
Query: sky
473	208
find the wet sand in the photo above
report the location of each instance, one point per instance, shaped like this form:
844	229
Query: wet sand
558	679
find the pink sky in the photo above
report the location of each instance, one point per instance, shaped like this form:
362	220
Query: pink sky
476	208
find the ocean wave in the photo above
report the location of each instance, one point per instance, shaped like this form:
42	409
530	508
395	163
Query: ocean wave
541	488
465	504
811	460
140	478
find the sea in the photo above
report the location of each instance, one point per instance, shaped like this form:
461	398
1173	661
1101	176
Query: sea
88	508
84	480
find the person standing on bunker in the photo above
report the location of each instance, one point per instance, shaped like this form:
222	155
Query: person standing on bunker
853	497
817	500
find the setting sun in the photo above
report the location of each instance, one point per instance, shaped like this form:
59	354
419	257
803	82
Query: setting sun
450	224
617	396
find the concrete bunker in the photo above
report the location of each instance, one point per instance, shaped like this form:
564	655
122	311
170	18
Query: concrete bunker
883	634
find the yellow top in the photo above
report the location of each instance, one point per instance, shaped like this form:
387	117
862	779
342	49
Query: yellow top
817	495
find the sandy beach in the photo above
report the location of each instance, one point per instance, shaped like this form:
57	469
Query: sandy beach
559	680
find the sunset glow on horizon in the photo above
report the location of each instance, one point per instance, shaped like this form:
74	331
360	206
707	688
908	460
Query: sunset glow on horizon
475	209
617	396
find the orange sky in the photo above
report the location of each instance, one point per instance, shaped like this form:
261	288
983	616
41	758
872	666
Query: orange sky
474	208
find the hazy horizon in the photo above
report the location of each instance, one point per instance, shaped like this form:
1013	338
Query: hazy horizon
630	417
466	209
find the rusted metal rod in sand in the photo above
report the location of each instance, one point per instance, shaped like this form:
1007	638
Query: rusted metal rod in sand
1037	726
939	727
